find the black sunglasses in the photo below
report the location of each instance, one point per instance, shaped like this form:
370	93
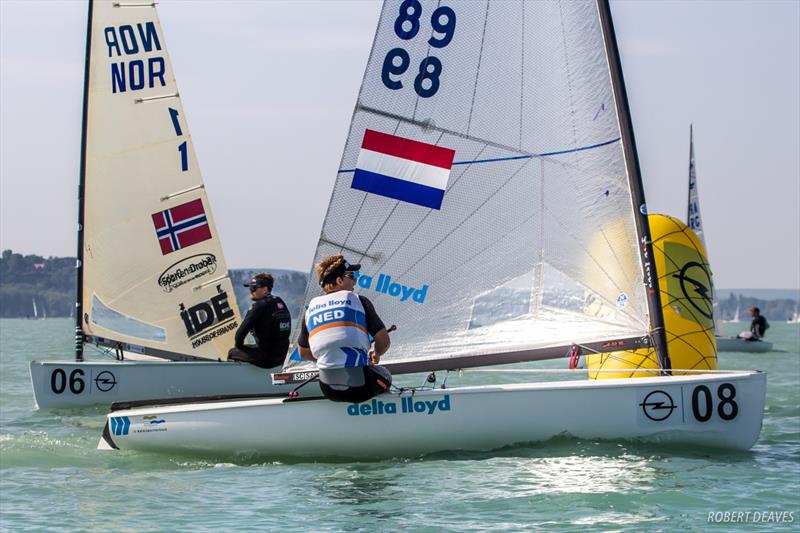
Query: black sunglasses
351	275
254	288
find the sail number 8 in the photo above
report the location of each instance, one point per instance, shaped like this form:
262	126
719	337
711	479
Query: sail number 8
406	27
703	403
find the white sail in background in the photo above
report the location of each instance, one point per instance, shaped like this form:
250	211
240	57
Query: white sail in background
695	222
693	218
483	186
154	276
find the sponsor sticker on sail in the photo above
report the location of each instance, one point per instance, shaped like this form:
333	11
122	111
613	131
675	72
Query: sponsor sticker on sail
181	226
403	169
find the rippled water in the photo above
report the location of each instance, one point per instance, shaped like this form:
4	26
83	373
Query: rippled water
51	476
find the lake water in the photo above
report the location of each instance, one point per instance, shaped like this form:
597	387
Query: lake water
52	477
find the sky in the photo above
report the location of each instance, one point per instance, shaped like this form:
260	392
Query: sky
269	88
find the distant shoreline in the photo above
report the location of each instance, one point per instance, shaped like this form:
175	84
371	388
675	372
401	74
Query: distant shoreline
36	287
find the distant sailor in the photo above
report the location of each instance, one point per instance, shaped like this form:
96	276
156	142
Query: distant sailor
335	333
758	326
270	322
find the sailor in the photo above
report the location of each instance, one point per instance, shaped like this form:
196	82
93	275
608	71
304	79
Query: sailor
270	322
335	333
758	326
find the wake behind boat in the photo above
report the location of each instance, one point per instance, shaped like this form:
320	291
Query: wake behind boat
152	278
491	192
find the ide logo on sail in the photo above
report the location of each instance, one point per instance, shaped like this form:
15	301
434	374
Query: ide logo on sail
214	312
385	285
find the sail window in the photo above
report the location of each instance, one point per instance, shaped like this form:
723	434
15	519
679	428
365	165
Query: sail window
113	320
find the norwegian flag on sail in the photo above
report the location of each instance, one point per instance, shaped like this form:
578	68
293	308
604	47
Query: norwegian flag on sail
403	169
181	226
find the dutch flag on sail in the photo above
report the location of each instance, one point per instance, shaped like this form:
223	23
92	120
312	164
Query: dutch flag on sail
181	226
403	169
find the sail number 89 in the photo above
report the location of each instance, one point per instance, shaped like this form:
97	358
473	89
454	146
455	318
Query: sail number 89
398	60
59	382
703	404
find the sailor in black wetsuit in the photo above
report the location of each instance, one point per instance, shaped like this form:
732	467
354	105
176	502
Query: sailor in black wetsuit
270	322
759	325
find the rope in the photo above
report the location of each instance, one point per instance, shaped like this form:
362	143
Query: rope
599	370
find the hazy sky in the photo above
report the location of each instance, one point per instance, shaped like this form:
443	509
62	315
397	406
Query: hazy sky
269	89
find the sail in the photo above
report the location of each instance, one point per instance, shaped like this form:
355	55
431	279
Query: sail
693	218
153	276
484	188
695	221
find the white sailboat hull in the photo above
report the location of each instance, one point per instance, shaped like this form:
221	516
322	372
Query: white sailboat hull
661	409
735	344
69	384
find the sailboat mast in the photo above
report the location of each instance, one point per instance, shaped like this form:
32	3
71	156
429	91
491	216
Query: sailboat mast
81	184
691	171
635	181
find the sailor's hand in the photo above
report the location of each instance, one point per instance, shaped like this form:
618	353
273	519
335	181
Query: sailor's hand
374	358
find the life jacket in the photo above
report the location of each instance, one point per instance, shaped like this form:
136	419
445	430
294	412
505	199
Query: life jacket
337	330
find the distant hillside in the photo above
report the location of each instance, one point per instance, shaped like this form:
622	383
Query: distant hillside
30	280
50	283
290	285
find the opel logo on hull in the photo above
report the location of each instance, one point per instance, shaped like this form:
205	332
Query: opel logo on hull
105	381
658	406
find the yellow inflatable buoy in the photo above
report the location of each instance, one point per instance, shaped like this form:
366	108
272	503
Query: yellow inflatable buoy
684	280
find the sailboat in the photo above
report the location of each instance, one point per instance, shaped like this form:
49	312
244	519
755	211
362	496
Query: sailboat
153	285
795	319
35	310
695	222
490	189
736	314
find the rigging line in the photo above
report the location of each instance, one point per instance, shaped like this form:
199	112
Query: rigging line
592	370
424	218
513	158
394	207
522	76
478	69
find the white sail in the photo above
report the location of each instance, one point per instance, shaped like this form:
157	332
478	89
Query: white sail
795	316
695	222
483	185
693	218
154	276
